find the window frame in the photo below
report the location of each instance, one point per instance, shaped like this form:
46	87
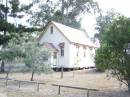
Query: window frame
62	51
51	30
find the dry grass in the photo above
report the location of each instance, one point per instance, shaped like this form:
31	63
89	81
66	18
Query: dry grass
82	78
13	92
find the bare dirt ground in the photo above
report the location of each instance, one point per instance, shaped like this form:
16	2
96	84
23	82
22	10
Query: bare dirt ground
81	78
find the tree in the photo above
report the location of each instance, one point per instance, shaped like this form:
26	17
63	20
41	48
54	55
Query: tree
101	58
63	11
8	30
116	53
35	58
104	20
10	53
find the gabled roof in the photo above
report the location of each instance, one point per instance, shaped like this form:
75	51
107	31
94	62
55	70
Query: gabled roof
74	35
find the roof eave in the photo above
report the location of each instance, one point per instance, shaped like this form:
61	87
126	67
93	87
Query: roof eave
84	45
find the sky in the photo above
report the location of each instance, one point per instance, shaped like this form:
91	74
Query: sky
89	21
121	6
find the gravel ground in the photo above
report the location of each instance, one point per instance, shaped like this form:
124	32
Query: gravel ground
83	78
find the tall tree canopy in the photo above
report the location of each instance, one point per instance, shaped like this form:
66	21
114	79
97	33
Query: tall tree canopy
9	30
114	52
63	11
104	20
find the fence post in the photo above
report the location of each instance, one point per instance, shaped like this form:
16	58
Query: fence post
19	84
38	87
6	83
59	89
62	70
87	93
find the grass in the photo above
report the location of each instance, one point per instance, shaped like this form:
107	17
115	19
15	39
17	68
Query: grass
82	78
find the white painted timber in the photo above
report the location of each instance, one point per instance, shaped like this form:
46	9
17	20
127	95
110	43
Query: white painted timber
71	38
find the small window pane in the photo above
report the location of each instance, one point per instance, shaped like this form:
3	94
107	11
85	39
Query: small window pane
62	51
51	30
55	55
84	52
77	54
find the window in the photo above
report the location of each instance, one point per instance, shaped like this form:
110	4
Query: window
84	53
77	51
55	55
52	30
61	45
62	51
90	48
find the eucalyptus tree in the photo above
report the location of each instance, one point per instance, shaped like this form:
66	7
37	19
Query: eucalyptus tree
104	20
63	11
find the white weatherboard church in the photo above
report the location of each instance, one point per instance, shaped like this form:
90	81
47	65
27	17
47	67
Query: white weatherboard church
71	47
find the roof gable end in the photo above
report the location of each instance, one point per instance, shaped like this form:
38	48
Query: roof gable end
71	34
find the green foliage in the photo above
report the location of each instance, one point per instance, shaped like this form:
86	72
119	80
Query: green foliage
62	11
41	18
103	25
104	21
10	52
101	54
2	10
36	57
116	52
67	20
29	52
14	6
8	30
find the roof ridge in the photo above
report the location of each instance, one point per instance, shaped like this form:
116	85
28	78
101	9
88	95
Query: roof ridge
67	26
73	35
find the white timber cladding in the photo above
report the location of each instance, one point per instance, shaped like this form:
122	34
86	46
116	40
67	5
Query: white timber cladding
56	38
79	51
84	58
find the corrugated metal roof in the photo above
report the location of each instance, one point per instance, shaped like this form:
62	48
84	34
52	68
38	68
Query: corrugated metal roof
74	35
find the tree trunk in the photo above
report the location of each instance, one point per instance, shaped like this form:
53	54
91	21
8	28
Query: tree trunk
6	16
2	67
129	86
7	75
62	11
32	76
